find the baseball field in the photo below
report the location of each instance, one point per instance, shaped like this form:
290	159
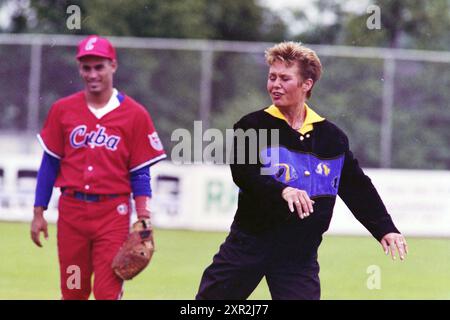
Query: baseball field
348	265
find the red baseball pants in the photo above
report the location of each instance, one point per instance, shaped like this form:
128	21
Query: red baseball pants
89	236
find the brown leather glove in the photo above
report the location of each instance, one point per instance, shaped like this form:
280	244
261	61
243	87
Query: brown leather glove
136	252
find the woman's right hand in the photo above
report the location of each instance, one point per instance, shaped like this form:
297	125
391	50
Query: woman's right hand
300	199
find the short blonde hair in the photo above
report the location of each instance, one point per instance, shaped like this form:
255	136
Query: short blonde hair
290	52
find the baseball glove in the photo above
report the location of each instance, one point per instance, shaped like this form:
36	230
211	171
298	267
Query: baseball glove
136	252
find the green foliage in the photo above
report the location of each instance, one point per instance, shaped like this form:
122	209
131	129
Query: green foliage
353	104
161	80
352	97
148	18
238	107
14	101
168	82
421	118
243	20
227	20
404	24
317	31
235	76
51	16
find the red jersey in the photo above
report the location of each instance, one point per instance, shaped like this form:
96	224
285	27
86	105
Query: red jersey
98	154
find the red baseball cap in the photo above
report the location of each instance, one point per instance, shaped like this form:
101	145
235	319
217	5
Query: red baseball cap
96	46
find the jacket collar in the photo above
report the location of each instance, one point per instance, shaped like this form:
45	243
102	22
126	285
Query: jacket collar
311	117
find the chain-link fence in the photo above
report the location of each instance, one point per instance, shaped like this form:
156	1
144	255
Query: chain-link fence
393	104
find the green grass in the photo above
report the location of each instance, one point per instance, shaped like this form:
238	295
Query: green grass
28	272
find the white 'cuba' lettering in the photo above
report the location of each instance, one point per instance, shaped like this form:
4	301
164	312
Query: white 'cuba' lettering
78	131
79	138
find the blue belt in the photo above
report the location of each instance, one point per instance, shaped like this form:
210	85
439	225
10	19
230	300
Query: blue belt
89	197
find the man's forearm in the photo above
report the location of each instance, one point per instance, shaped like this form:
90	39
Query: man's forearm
142	207
140	186
38	211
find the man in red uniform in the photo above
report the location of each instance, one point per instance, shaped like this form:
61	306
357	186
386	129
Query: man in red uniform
98	147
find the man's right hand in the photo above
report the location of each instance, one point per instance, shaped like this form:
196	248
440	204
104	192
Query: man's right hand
38	225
